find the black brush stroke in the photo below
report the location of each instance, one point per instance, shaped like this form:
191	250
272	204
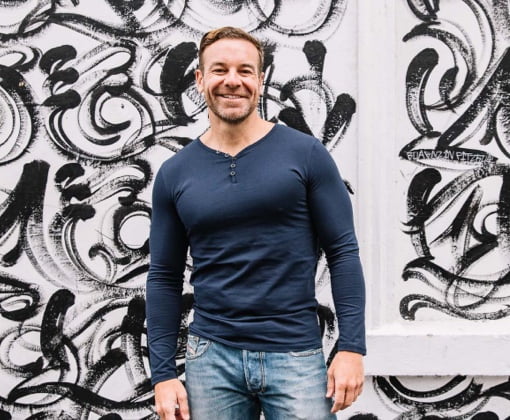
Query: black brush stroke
176	79
80	395
417	76
26	295
52	334
24	203
424	9
470	394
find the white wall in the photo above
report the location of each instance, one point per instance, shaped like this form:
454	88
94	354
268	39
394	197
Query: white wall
93	97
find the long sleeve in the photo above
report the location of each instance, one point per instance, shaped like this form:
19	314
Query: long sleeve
332	217
168	249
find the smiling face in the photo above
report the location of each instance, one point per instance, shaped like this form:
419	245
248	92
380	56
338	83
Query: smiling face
230	80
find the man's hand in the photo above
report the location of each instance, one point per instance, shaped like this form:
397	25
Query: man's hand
171	400
345	379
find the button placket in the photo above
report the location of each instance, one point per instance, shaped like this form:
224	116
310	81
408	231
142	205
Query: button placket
233	171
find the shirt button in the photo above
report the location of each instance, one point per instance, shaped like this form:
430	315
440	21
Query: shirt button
226	155
232	173
232	165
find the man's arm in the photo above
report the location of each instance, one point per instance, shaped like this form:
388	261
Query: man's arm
168	249
331	211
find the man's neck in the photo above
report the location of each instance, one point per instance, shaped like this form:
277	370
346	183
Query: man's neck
232	138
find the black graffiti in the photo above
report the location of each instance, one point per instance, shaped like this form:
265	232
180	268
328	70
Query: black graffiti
478	227
460	216
52	337
340	109
18	26
466	232
85	115
59	353
176	79
18	106
457	203
416	400
478	89
460	394
424	9
192	17
19	301
76	99
490	104
22	208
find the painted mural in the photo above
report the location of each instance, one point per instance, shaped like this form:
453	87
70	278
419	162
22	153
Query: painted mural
455	161
95	95
456	92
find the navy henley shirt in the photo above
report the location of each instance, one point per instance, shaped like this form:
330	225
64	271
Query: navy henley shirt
253	224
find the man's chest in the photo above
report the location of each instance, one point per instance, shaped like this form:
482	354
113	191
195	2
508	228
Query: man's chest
240	191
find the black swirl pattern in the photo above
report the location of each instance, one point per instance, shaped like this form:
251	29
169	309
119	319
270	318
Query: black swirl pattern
93	97
457	205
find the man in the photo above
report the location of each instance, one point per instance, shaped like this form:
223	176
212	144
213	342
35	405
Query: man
254	201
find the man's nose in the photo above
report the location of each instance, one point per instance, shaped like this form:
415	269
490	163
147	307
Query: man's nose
232	78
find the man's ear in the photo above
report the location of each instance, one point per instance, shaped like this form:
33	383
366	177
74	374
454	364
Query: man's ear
261	82
198	80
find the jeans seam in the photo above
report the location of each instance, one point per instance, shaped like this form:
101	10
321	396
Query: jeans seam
306	353
245	369
262	372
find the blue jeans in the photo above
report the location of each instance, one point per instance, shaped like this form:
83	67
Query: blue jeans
226	383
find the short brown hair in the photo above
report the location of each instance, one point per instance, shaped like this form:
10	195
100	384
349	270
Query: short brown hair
229	32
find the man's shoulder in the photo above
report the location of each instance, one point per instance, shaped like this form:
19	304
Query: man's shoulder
294	137
181	159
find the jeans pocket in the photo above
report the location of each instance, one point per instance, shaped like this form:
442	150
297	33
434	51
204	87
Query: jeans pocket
306	353
196	346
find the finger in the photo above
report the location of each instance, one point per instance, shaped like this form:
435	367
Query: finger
168	411
183	406
350	396
161	411
331	385
339	399
360	390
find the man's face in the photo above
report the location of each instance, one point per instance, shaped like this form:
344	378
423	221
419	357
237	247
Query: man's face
230	79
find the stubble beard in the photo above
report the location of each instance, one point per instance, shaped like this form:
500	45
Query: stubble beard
235	118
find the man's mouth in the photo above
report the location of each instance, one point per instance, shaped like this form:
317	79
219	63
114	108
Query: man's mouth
231	96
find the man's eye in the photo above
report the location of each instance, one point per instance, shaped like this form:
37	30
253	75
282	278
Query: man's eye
218	71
